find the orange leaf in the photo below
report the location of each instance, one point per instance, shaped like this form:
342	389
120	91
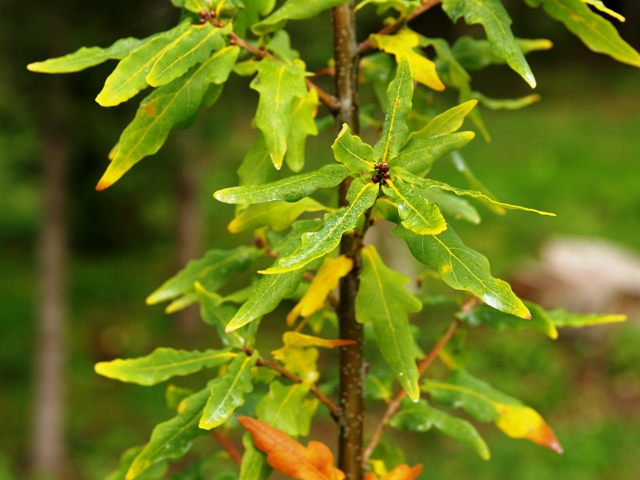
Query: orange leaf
315	462
401	472
295	339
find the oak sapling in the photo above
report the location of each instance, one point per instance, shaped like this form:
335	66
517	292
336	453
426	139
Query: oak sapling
276	400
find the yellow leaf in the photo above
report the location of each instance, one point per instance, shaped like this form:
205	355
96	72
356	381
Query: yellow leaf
295	339
401	472
331	271
379	467
403	44
524	422
301	361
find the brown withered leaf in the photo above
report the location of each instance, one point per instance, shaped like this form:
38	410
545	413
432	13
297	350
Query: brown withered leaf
313	462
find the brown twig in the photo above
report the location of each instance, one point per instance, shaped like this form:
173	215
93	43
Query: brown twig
352	368
228	446
331	71
333	408
397	25
329	100
395	403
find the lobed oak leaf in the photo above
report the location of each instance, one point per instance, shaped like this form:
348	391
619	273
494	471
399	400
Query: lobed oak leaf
401	472
314	462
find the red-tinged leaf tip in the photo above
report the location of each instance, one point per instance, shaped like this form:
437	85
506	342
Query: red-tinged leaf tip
103	185
524	422
545	437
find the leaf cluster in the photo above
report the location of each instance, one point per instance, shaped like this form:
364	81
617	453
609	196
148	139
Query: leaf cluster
276	399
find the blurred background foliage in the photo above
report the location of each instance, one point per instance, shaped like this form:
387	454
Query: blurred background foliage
575	153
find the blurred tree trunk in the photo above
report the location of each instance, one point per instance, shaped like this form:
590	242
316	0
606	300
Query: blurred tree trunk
48	445
188	241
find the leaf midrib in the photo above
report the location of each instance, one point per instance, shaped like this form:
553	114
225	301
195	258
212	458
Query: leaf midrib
180	363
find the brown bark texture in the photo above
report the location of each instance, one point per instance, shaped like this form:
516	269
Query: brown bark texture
351	358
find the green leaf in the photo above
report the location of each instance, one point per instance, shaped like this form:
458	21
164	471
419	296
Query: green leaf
280	46
157	471
88	57
352	152
475	54
192	472
475	183
418	154
394	128
485	404
293	10
254	463
271	289
268	294
376	69
228	391
506	103
595	32
303	124
187	50
248	68
290	189
195	6
420	417
279	86
415	212
212	272
384	301
448	66
174	395
250	15
464	96
306	414
540	320
379	386
361	196
562	318
219	316
239	296
281	407
496	22
278	214
173	438
452	205
447	122
165	108
391	457
162	364
462	268
130	76
257	167
427	183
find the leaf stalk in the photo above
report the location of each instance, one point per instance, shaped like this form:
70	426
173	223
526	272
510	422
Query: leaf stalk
394	406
